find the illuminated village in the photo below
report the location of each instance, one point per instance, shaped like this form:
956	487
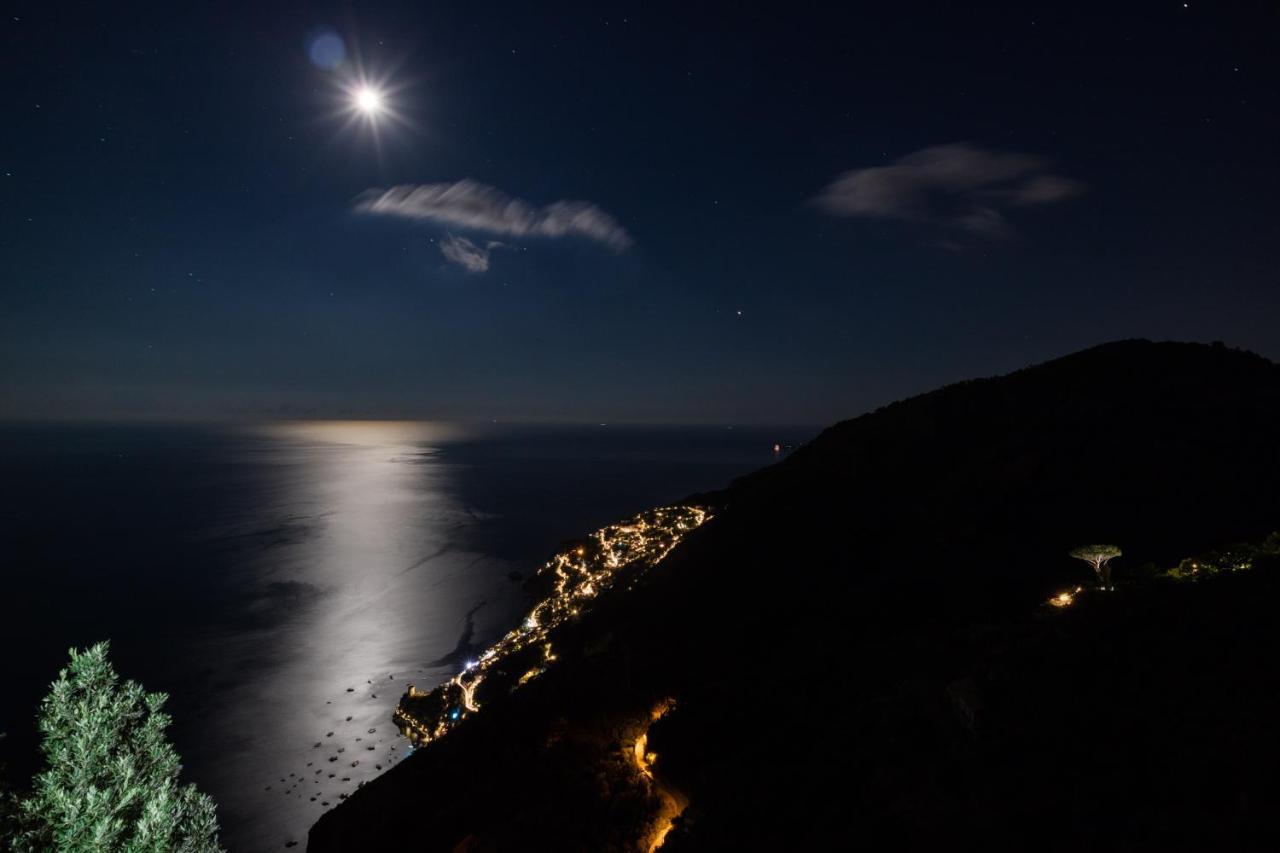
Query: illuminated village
572	579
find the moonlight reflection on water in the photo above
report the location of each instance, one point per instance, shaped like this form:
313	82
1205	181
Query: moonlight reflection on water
281	578
373	583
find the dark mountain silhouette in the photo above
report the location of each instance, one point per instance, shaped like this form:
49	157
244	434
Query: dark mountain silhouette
856	648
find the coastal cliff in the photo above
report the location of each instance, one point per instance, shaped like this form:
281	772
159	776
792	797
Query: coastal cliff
855	644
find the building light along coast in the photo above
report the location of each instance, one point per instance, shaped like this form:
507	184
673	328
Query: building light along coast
573	577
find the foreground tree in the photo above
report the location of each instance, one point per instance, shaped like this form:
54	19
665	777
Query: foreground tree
1098	556
111	777
7	807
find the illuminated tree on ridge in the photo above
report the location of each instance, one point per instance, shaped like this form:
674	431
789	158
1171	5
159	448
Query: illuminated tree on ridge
1098	556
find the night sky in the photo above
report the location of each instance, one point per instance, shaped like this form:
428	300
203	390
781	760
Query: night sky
618	212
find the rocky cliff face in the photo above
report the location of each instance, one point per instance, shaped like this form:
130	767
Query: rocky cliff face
788	676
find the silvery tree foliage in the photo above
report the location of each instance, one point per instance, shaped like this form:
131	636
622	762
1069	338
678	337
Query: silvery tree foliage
110	780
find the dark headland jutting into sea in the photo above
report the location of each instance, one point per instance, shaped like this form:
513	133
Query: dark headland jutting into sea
859	643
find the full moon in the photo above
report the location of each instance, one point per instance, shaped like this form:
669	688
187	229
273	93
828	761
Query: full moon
368	101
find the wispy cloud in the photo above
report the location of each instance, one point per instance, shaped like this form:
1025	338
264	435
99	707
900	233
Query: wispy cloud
960	187
478	207
464	253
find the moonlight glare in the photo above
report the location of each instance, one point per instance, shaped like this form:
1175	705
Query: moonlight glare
368	101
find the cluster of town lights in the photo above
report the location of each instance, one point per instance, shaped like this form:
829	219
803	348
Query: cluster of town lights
1066	598
577	576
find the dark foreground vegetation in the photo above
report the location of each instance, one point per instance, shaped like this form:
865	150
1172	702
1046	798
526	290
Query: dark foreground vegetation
857	648
110	779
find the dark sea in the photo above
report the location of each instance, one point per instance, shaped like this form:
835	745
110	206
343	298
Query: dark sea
278	579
